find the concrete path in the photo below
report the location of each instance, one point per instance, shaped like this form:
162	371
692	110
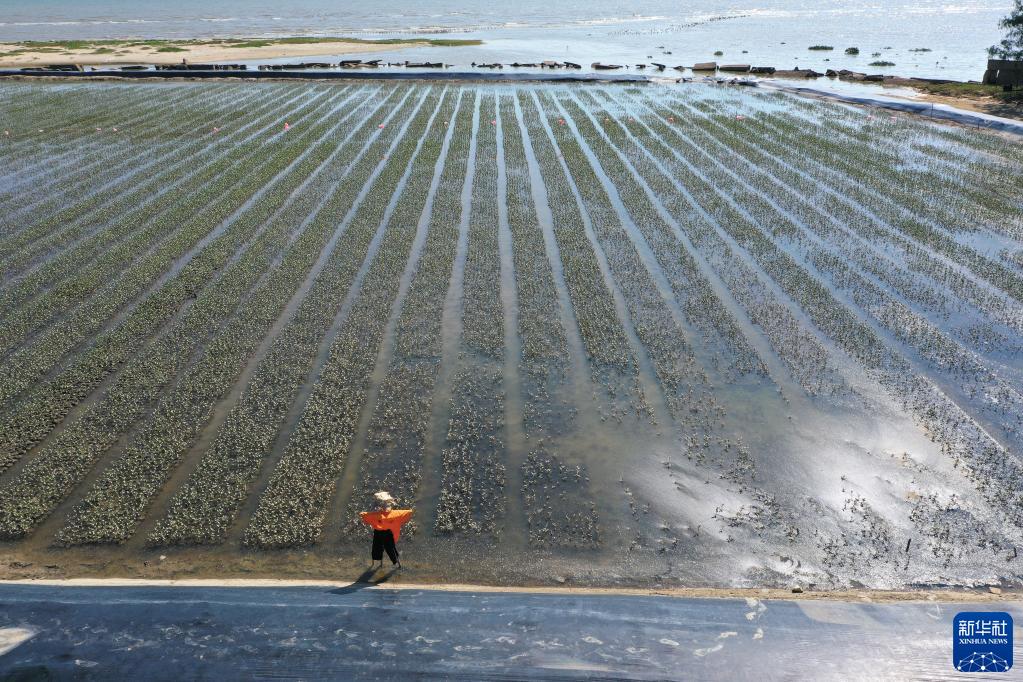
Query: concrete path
380	632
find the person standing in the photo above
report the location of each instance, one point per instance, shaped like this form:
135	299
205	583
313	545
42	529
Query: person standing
386	523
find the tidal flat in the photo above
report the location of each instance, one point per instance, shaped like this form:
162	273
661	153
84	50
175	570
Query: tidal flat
602	334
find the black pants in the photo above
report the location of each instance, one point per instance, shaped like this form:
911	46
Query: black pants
384	539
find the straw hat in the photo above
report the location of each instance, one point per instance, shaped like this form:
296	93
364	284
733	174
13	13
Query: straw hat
383	497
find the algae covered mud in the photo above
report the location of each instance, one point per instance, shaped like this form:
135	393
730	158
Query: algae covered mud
613	334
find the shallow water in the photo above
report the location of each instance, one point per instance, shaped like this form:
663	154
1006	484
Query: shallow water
773	32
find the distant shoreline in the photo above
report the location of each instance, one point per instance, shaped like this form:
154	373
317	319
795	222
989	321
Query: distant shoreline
111	52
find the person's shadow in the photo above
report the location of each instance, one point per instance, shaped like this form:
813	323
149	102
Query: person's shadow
365	580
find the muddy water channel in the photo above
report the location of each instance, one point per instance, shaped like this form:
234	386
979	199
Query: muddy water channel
667	334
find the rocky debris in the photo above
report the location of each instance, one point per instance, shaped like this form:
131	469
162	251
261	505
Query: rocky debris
185	66
55	67
359	64
798	73
295	67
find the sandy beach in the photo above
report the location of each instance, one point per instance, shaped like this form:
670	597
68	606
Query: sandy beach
13	55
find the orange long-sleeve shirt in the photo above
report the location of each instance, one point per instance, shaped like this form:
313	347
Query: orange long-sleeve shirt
391	520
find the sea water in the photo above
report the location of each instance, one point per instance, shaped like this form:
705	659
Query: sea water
775	33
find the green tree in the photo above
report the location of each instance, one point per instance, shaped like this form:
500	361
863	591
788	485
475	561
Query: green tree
1011	46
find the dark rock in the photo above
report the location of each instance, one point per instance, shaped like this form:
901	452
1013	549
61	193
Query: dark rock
798	73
